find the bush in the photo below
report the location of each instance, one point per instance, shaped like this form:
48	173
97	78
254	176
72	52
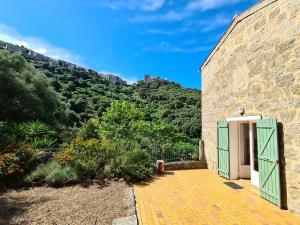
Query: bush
99	158
37	133
14	162
35	129
90	129
53	173
137	165
117	122
130	162
186	149
87	157
44	142
10	134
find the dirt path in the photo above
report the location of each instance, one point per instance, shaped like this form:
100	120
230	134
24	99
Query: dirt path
62	206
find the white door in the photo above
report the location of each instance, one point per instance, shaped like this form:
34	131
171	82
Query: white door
253	155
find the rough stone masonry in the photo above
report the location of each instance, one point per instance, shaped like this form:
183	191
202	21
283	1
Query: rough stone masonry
257	65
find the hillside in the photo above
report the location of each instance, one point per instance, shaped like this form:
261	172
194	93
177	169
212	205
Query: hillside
88	94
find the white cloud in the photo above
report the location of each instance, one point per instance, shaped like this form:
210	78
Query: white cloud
209	24
160	31
144	5
195	26
128	79
11	35
165	47
188	11
204	5
170	16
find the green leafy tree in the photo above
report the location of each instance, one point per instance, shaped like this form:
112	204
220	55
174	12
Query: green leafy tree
117	123
25	92
156	136
89	129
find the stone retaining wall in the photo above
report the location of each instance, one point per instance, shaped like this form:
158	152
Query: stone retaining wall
186	165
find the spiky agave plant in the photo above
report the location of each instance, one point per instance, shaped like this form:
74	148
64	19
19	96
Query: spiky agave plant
35	129
43	142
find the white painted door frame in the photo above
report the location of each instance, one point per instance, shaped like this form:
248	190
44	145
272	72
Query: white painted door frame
254	173
251	120
244	118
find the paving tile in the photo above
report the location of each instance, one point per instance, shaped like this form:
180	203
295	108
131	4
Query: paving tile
191	197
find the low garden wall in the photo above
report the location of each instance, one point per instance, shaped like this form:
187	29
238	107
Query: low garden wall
183	165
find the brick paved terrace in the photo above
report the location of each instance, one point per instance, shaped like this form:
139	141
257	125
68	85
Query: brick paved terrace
201	197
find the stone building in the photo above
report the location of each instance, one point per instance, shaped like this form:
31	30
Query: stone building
112	78
251	101
147	78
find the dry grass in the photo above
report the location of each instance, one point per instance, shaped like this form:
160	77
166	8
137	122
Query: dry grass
69	205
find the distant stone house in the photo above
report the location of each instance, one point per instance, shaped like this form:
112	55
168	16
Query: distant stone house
251	101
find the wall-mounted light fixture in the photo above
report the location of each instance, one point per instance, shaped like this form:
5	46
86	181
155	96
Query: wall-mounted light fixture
240	110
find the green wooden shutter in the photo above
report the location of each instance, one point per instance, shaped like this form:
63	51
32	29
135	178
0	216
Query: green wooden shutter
223	149
268	161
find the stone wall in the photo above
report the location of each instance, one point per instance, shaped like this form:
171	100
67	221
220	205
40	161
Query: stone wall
258	67
186	165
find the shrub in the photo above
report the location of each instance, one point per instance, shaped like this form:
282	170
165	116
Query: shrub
10	134
186	150
100	158
53	173
4	134
37	134
90	129
134	164
44	142
137	165
14	162
117	122
38	157
87	157
35	129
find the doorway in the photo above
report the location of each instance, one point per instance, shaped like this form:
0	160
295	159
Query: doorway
243	151
239	137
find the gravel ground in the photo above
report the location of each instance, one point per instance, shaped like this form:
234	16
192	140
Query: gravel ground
69	205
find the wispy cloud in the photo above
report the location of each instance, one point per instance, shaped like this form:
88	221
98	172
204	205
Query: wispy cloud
204	5
128	79
144	5
165	47
170	16
161	31
206	25
192	26
11	35
186	12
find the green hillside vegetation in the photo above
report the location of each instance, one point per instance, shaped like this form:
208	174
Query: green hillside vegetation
91	127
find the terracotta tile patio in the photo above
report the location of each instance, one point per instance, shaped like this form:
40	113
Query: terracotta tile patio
201	197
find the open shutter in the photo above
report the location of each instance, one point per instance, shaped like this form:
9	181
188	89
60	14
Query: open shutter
223	149
268	161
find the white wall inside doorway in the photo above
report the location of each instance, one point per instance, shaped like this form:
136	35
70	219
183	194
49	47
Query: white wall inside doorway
238	169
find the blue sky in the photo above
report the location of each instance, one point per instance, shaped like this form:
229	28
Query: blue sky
130	38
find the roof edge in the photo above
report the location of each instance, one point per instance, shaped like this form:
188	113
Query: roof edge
237	19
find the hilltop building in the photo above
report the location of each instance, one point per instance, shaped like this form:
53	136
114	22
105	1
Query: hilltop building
112	78
148	78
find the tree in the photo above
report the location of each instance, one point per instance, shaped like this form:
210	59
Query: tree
117	123
25	92
157	137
